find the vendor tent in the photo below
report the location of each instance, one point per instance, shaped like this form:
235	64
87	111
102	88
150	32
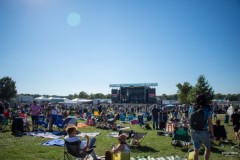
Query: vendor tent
55	99
79	100
68	103
41	99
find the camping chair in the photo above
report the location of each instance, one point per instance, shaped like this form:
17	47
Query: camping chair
122	118
189	155
180	134
95	114
58	122
130	117
41	122
137	138
169	128
4	121
72	151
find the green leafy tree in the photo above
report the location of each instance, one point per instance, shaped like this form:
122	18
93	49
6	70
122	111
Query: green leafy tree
99	95
183	91
70	96
83	94
107	96
219	96
75	95
7	88
202	87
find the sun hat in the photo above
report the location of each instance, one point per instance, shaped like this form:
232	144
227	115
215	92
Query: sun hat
71	126
122	137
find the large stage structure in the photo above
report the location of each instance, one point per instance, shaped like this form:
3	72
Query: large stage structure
134	93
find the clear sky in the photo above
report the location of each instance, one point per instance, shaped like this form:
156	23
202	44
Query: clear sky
62	47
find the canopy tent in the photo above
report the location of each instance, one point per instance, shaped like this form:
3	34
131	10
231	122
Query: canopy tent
41	99
68	103
79	100
55	99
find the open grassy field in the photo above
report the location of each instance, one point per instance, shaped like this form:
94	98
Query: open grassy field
30	148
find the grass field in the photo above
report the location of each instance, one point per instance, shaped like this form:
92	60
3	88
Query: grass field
30	148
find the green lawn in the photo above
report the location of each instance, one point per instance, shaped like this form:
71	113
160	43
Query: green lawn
27	147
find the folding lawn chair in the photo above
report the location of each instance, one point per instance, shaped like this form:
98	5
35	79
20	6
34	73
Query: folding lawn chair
41	122
137	138
180	135
169	128
122	118
4	121
72	151
58	122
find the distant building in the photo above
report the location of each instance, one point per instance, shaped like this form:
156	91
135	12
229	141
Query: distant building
133	93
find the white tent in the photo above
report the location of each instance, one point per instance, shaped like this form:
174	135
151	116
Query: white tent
68	103
79	100
55	99
41	99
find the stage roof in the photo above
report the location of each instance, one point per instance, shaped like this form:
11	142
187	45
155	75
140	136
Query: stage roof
134	85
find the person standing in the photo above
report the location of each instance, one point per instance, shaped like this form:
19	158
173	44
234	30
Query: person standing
34	111
201	126
235	119
155	115
1	114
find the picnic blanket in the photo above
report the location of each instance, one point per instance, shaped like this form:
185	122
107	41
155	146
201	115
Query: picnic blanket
94	134
54	142
57	135
60	142
124	128
51	135
114	134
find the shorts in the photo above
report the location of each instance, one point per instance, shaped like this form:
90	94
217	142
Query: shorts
34	118
200	137
236	128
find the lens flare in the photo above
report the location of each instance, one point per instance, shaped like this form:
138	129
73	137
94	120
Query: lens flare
73	19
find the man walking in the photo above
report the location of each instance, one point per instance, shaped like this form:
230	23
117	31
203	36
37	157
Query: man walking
201	124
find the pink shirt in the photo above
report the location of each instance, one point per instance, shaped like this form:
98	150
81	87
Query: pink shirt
35	110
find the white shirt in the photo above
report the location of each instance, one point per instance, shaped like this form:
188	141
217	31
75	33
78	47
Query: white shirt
74	139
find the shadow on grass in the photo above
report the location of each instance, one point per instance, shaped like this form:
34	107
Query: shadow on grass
202	150
143	149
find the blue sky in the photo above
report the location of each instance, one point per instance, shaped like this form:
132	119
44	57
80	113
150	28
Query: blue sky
61	47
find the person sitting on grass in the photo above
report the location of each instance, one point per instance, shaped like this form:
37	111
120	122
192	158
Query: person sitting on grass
219	130
121	147
85	145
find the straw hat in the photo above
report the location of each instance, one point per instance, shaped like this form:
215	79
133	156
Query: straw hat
71	126
122	137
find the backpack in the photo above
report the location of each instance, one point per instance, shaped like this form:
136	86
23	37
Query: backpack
197	120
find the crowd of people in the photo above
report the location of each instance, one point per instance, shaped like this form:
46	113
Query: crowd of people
107	115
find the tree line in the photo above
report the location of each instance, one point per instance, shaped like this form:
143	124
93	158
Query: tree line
185	95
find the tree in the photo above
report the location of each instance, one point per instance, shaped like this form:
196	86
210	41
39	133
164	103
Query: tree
201	87
7	88
83	94
183	91
99	95
70	96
